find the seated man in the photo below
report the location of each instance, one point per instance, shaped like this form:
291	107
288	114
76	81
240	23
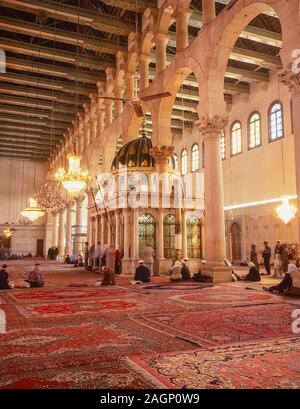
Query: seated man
35	278
175	271
253	274
185	271
79	261
68	259
4	282
287	282
142	273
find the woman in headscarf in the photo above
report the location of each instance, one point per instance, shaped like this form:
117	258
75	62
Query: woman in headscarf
253	255
253	274
287	281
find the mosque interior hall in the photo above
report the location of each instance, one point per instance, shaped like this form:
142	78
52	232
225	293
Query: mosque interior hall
150	194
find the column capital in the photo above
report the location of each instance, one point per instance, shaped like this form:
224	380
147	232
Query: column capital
291	80
162	37
183	12
145	57
212	126
162	152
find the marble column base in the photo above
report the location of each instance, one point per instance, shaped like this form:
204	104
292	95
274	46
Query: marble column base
218	271
127	269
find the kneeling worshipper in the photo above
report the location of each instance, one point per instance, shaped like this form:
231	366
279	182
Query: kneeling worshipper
185	271
142	274
108	278
175	272
287	282
5	284
253	274
35	278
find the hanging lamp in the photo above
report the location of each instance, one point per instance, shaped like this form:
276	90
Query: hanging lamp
32	212
74	180
285	211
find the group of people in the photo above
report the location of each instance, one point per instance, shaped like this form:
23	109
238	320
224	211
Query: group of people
281	258
32	279
52	253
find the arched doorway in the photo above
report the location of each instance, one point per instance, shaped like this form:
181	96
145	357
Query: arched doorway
194	246
169	236
146	232
236	242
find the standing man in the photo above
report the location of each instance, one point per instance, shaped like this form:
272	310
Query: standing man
267	256
148	258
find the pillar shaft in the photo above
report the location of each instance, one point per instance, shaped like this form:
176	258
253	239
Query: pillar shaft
61	233
117	223
184	235
144	71
161	234
134	235
215	248
182	34
78	225
54	229
126	234
208	11
129	82
161	41
68	228
108	112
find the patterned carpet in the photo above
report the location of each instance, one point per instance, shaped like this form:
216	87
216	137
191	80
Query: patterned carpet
129	336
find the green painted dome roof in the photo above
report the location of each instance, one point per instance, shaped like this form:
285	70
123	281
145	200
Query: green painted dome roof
134	154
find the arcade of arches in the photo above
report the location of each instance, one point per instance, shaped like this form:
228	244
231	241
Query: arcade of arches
188	127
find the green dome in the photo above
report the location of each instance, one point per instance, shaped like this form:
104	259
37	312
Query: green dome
134	154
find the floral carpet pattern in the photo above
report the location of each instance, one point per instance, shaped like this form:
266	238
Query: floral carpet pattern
167	336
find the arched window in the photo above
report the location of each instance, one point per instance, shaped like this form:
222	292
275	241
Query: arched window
146	232
236	138
195	157
194	237
169	236
173	163
275	121
254	130
184	163
223	146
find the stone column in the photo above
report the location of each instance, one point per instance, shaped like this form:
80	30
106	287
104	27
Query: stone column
54	229
97	222
118	102
208	11
93	131
161	41
102	229
160	254
61	232
86	135
68	228
184	235
48	233
126	234
117	223
129	82
109	230
134	235
144	71
182	16
78	225
215	246
292	81
108	112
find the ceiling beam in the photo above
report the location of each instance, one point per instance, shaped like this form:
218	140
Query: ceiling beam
37	103
81	60
23	156
22	118
37	138
54	70
42	114
62	36
17	127
65	12
42	94
57	85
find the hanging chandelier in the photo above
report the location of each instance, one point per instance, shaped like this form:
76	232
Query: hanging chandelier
32	212
74	180
49	197
9	231
286	212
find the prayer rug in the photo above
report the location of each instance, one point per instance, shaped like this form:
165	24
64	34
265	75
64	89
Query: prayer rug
273	364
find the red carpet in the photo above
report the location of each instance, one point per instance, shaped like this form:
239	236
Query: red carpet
63	337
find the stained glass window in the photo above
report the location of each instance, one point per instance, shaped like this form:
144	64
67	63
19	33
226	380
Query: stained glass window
236	138
146	232
194	237
254	131
169	236
195	158
275	121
